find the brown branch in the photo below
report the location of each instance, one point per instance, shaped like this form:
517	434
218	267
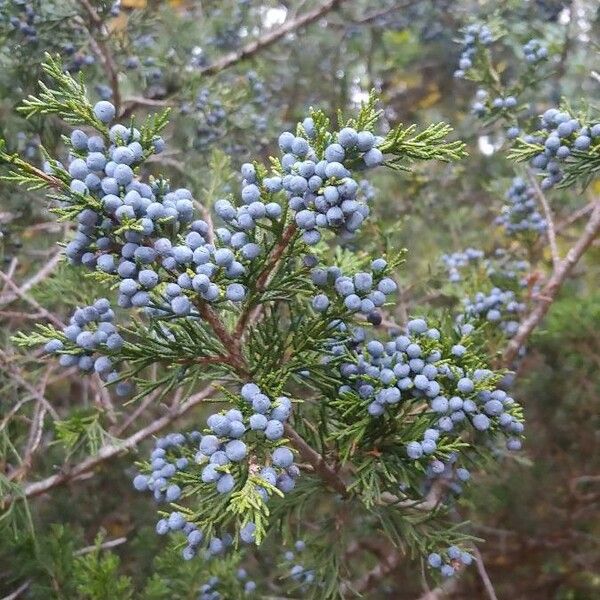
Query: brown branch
44	272
369	18
271	37
485	578
575	216
109	451
20	590
102	51
552	287
379	571
263	280
549	220
19	293
103	546
16	374
316	460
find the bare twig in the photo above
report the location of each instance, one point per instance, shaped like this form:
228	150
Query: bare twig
575	216
44	272
8	364
487	582
549	220
20	590
271	37
552	287
383	568
103	546
102	51
24	296
109	451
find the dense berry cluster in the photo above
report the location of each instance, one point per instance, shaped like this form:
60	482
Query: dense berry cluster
455	262
418	367
364	292
146	235
449	562
172	457
210	115
322	193
521	214
451	477
88	340
561	136
78	58
240	447
535	51
499	307
474	34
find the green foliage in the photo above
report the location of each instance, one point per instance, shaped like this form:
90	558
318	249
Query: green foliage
67	98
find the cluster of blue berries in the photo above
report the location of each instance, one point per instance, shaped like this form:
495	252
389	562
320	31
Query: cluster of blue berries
174	454
322	193
28	145
453	560
364	292
298	572
474	34
88	340
502	266
223	447
210	589
25	22
77	58
221	454
561	136
521	214
484	106
535	51
453	476
457	261
499	306
259	99
146	234
210	115
418	367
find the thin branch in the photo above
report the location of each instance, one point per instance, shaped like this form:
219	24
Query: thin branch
102	51
388	563
316	460
441	591
549	220
552	287
249	316
575	216
270	37
20	293
109	451
103	546
20	590
487	582
16	374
